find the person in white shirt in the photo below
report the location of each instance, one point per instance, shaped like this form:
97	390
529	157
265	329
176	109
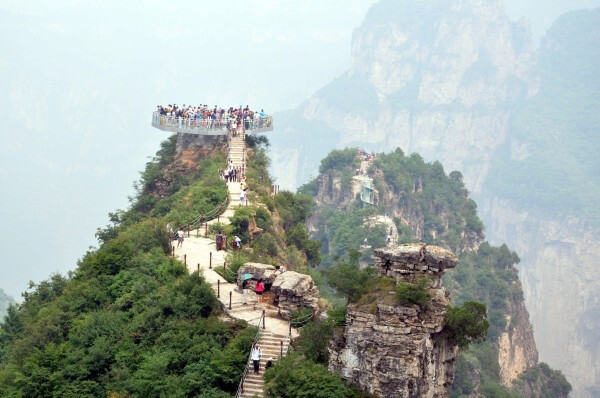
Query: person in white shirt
256	354
242	198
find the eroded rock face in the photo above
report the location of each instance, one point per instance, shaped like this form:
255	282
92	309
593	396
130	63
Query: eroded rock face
517	351
266	272
295	290
395	350
411	261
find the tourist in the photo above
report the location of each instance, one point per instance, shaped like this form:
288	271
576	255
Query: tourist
269	363
219	241
238	242
259	289
242	197
244	291
255	357
180	235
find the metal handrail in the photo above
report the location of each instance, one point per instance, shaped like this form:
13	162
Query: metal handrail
205	124
240	389
210	215
301	320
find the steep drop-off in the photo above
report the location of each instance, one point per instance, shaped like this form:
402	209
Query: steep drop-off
399	350
427	205
458	82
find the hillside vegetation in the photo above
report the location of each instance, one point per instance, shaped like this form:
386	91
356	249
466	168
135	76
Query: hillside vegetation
440	212
553	160
130	320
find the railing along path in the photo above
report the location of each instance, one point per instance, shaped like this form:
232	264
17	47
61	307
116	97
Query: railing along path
204	126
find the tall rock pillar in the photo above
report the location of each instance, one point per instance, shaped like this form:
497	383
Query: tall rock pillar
395	350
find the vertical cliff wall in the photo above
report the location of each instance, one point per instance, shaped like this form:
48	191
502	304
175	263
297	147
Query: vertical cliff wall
395	350
446	79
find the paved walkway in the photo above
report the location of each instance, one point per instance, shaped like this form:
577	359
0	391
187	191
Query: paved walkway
198	251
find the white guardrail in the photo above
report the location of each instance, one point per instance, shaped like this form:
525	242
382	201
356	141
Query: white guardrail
208	126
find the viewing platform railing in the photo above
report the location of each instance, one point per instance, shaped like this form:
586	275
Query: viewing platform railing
207	126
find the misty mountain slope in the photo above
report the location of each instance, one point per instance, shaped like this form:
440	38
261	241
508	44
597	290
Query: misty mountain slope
431	77
551	155
542	199
459	82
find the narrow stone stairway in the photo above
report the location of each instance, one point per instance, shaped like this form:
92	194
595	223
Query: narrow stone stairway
200	253
272	346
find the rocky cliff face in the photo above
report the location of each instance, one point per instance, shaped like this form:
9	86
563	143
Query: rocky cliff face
394	350
444	79
517	351
434	77
561	287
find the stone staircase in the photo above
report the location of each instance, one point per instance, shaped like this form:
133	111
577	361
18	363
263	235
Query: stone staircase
271	345
199	250
237	148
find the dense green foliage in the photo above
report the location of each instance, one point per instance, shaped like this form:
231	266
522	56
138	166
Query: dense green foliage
130	320
165	192
348	279
339	159
297	377
544	381
425	193
314	339
414	293
487	276
442	201
553	163
466	324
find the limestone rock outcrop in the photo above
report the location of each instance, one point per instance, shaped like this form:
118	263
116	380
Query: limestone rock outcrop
294	291
266	272
395	350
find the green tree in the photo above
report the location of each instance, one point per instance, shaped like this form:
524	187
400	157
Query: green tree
348	279
414	293
466	324
295	377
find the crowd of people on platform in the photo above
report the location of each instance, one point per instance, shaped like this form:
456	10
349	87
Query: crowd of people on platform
234	119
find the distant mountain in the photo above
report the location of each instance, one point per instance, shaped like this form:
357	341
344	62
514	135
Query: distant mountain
459	82
5	301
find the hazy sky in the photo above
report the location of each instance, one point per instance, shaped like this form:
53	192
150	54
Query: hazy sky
79	79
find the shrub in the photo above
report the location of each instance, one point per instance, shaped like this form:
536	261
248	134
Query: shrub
295	377
266	245
338	315
263	218
314	340
298	237
414	293
466	323
339	159
349	279
215	228
240	222
301	317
